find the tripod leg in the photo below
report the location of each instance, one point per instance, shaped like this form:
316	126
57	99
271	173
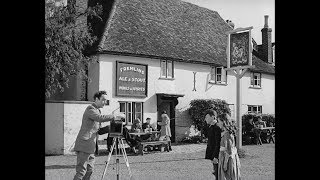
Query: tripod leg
117	157
109	157
125	157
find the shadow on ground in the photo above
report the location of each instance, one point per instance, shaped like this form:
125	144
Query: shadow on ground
61	167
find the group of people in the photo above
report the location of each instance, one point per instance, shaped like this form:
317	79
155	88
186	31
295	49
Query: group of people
253	129
221	149
86	144
165	131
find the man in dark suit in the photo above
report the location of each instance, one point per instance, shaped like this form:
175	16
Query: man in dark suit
147	124
214	138
85	144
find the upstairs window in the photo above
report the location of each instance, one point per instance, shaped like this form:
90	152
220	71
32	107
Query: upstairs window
255	80
132	110
166	69
218	75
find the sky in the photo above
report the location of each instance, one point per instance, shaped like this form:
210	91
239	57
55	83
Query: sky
244	13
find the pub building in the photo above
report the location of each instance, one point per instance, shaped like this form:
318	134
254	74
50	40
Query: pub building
160	55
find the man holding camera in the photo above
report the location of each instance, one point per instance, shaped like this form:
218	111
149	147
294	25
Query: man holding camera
85	144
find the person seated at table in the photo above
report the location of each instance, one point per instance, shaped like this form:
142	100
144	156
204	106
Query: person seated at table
259	123
257	131
249	128
147	124
137	128
132	142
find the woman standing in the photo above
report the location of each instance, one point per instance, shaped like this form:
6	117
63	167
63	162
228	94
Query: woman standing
165	132
229	163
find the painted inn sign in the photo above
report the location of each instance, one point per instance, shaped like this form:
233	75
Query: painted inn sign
132	79
239	48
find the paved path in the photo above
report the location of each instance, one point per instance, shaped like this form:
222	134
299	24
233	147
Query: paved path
183	162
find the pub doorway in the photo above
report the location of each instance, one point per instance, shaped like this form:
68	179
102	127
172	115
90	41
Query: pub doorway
169	108
168	102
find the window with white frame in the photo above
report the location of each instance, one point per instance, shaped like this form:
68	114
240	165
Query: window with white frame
167	69
218	75
255	109
255	79
132	110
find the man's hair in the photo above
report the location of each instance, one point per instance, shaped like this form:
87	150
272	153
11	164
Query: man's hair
211	112
148	118
99	94
164	112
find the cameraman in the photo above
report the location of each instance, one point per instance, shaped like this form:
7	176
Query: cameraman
85	144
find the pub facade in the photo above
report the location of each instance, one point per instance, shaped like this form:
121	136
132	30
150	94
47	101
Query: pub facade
161	55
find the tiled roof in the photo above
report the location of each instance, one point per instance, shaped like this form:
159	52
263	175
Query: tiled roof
261	66
167	28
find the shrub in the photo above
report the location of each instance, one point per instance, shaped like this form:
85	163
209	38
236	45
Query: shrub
198	108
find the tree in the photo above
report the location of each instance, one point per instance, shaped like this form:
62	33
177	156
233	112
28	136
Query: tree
199	107
67	38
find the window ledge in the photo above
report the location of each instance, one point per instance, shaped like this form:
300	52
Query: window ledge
163	78
222	84
254	87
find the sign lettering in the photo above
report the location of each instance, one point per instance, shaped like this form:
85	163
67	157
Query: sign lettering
131	79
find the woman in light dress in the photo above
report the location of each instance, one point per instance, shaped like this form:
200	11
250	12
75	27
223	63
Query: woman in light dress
229	163
165	132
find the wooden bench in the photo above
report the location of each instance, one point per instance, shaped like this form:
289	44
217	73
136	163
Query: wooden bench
164	145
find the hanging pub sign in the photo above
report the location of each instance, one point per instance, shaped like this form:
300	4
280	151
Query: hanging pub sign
131	79
239	48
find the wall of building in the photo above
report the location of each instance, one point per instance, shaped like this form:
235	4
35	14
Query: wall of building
73	112
54	128
265	96
63	122
183	83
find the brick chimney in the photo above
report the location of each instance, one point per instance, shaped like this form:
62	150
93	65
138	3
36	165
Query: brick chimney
266	42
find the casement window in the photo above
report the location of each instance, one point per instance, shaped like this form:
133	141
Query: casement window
167	69
255	109
218	75
132	110
255	79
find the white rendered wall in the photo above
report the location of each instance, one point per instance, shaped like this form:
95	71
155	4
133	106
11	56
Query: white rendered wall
54	128
73	112
265	96
63	121
183	83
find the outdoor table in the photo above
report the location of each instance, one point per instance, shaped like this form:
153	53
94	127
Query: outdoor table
154	141
144	133
270	132
154	134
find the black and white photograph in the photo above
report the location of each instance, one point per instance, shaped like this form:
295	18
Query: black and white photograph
160	89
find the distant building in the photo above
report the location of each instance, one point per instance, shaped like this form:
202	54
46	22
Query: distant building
160	55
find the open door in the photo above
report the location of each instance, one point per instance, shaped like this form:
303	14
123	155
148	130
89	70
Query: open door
168	102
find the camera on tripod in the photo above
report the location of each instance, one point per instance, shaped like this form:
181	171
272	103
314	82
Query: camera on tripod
116	128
